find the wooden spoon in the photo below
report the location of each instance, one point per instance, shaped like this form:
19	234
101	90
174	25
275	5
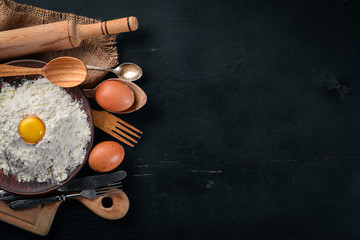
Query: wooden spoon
62	71
140	95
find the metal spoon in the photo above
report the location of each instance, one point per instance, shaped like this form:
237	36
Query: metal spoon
127	71
62	71
140	95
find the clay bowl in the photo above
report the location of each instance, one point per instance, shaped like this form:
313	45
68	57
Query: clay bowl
9	182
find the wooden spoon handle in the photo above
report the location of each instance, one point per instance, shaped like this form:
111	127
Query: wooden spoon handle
90	93
8	71
119	208
116	26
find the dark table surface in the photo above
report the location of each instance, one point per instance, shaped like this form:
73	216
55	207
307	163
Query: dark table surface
252	126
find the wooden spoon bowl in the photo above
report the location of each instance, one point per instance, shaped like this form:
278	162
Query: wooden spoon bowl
62	71
65	72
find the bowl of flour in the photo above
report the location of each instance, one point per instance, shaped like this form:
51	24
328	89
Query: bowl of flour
42	167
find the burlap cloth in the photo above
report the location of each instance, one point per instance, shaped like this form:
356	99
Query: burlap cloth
97	51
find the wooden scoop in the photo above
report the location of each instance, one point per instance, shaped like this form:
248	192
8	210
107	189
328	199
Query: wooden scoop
62	71
140	95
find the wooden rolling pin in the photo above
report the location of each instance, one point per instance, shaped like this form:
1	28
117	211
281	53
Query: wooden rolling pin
57	36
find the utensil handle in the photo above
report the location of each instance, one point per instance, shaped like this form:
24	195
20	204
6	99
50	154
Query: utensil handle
26	203
89	93
116	26
8	71
118	209
99	68
8	197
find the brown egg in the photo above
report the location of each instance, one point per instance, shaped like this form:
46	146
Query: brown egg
114	96
106	156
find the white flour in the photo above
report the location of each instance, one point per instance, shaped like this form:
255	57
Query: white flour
63	146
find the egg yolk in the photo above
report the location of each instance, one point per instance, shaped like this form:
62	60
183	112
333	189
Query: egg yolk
31	129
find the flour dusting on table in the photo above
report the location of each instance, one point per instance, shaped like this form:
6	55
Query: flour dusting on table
67	135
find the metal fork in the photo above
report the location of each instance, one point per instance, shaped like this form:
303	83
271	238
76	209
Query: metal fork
111	189
116	127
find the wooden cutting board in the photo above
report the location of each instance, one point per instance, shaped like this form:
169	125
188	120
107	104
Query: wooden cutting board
39	219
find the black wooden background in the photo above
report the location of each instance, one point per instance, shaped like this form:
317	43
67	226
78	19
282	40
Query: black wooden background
252	126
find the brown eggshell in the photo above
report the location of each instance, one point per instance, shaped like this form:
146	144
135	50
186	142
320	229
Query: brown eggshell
106	156
114	96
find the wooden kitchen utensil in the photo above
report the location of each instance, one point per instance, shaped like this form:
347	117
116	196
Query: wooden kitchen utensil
58	36
115	127
118	209
39	219
62	71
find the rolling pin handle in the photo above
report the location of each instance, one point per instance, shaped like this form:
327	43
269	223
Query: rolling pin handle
116	26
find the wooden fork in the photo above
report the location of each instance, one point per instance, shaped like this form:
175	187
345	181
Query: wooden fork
116	127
